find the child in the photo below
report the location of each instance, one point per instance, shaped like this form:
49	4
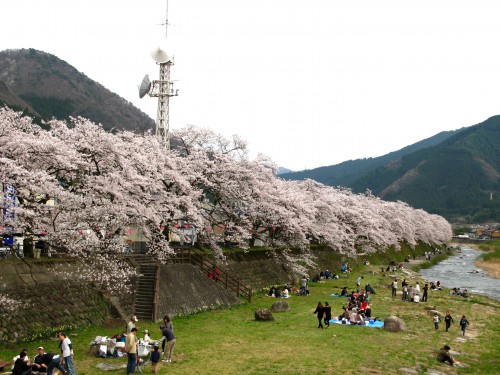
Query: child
436	321
463	324
448	320
155	359
146	336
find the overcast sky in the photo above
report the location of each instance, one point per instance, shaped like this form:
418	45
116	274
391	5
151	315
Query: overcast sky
309	82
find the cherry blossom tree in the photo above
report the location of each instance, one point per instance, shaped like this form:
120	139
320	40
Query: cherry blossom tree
84	190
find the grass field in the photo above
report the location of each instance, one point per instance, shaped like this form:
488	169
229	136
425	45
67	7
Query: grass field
492	249
230	341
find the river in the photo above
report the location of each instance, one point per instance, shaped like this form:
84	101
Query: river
458	271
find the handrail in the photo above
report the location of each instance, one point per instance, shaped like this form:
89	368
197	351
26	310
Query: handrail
210	267
156	291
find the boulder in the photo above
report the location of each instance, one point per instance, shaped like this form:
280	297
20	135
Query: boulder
394	324
279	306
264	315
429	307
440	314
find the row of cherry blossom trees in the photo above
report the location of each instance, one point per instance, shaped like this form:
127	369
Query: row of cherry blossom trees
82	189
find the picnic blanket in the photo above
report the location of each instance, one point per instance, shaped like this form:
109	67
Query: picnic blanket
376	324
337	295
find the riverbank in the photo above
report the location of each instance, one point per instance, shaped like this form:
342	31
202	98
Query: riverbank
230	341
492	267
490	264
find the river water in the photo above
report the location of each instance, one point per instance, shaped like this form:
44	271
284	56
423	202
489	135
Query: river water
458	271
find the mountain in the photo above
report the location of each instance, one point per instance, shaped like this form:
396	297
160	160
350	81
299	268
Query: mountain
282	170
458	178
46	86
345	173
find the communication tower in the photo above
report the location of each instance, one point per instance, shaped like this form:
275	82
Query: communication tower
163	89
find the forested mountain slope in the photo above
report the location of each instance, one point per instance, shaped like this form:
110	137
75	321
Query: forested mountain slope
345	173
46	86
458	178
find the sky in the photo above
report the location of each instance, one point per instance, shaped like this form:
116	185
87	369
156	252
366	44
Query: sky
307	82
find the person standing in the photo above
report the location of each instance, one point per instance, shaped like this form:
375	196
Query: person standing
169	337
463	324
417	287
448	320
303	286
394	287
424	295
327	314
131	324
155	359
405	293
131	348
320	310
167	323
436	321
67	353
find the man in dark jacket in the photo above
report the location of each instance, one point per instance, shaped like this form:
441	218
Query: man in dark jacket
169	337
51	361
37	363
22	365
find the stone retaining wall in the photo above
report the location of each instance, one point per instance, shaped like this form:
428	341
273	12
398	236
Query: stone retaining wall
184	289
50	307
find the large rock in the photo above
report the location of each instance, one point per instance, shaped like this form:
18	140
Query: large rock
280	306
439	313
394	324
264	315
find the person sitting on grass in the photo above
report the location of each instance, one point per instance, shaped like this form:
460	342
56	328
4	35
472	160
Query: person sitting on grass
37	362
22	365
356	318
444	356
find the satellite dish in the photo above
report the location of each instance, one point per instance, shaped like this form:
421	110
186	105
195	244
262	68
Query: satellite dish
144	87
160	56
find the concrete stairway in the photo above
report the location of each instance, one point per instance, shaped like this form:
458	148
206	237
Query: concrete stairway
144	298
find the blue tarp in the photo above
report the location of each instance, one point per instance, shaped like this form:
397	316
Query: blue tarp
376	324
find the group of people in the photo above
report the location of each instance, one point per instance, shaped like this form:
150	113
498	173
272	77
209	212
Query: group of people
282	292
47	362
448	320
458	292
324	314
410	292
322	275
345	268
357	310
131	344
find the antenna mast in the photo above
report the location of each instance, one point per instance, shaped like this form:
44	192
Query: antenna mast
163	89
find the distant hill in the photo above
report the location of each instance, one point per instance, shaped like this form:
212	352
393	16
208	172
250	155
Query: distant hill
46	86
458	179
282	170
345	173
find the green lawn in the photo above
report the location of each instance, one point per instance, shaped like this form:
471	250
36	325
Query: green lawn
230	341
492	249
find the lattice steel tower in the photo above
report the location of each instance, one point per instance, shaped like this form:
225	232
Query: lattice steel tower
162	89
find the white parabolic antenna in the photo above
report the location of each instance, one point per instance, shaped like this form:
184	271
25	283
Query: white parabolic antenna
160	56
144	87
